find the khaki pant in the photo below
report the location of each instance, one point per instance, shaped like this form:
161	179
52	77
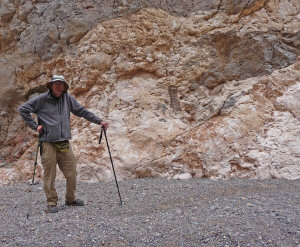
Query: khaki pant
66	163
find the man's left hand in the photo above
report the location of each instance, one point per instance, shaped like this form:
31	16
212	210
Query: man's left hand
104	125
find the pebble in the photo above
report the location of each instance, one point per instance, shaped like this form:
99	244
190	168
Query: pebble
156	212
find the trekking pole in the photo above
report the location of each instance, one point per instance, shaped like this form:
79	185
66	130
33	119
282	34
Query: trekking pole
103	130
34	168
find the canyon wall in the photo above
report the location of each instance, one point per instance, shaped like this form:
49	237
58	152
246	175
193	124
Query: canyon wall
190	89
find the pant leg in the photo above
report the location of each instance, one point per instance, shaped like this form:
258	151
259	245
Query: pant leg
67	164
49	161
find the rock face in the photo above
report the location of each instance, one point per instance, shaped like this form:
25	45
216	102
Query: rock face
194	89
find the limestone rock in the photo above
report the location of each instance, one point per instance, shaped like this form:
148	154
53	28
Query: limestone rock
7	11
196	89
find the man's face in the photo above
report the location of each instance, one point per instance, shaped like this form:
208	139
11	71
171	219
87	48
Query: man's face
57	88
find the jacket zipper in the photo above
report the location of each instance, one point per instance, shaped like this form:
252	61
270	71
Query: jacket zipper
59	114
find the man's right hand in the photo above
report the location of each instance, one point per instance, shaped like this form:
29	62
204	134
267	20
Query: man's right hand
40	129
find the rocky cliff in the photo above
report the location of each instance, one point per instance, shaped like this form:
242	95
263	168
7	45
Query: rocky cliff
190	88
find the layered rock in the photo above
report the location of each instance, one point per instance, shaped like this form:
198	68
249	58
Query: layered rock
206	89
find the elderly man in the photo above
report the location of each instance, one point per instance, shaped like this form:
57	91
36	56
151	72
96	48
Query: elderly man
53	111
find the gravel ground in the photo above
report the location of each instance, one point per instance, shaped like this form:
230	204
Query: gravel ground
156	212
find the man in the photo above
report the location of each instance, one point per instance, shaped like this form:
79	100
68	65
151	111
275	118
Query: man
53	111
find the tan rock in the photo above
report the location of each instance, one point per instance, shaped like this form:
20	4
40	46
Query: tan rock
213	94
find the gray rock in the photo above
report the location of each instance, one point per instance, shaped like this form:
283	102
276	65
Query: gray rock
24	10
7	11
234	55
148	218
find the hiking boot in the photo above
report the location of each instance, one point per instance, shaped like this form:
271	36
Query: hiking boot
77	202
52	209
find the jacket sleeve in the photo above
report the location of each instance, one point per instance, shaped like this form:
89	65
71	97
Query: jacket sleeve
81	111
29	107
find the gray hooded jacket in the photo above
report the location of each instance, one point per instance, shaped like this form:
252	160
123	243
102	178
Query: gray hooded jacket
54	115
